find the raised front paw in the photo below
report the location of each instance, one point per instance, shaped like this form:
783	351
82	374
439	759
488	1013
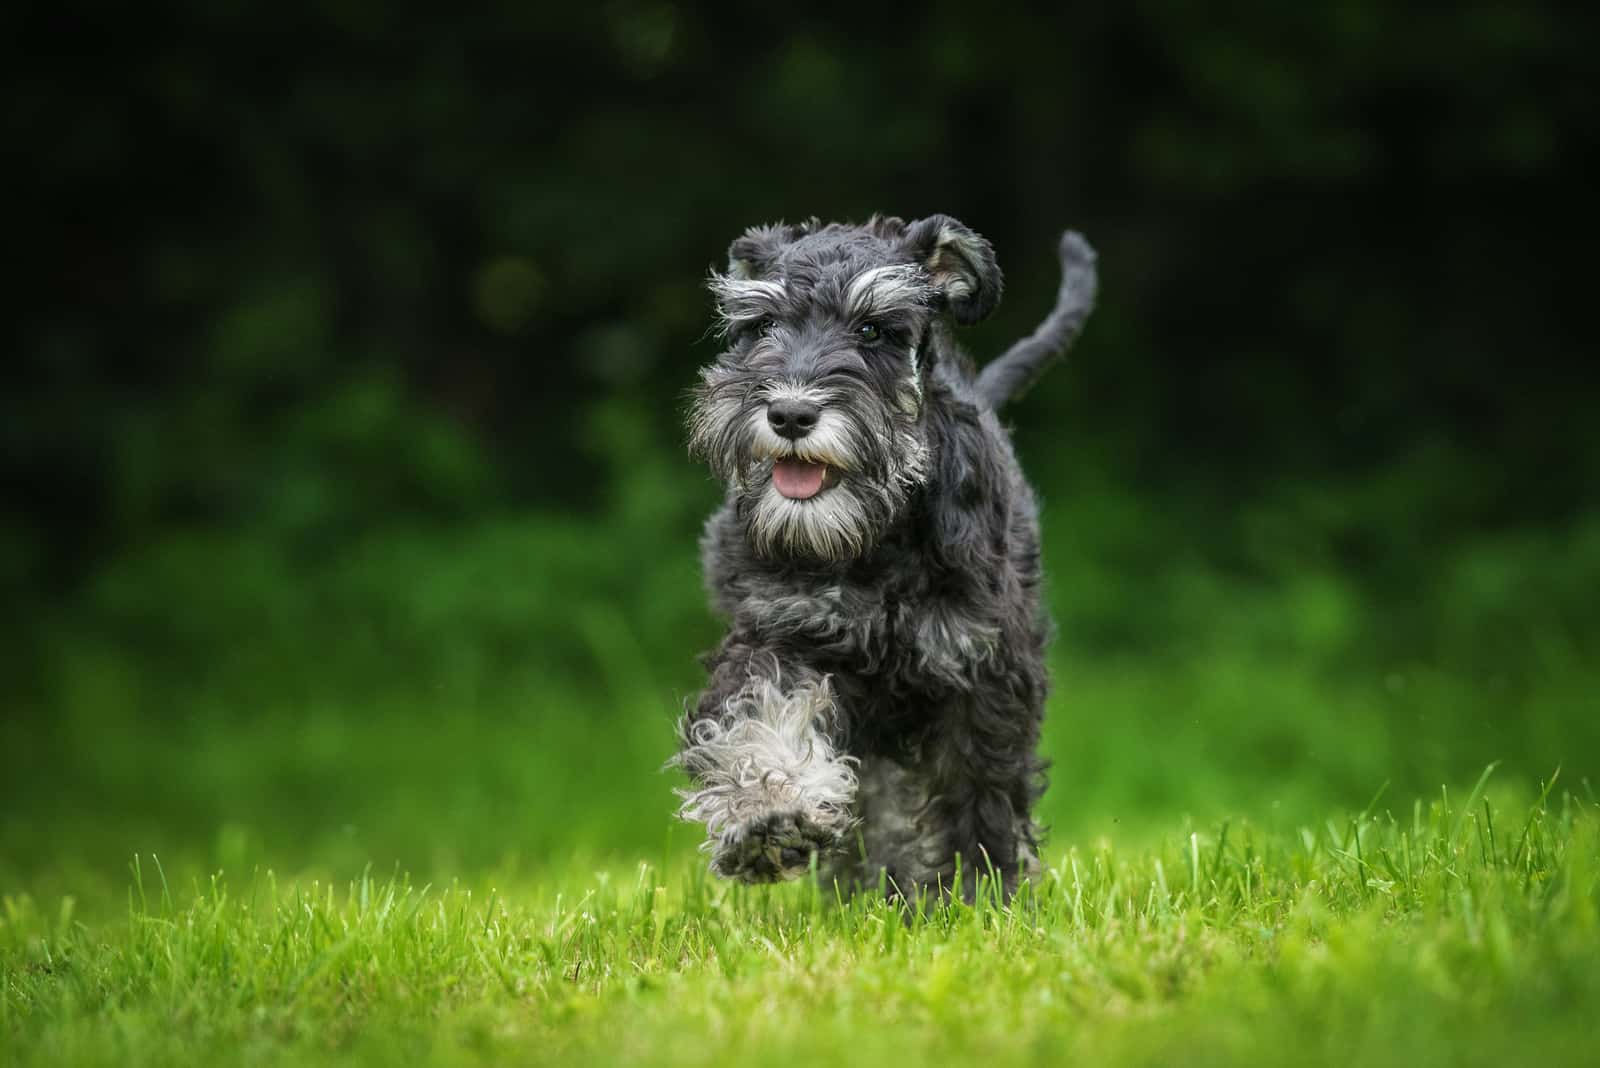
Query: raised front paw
772	848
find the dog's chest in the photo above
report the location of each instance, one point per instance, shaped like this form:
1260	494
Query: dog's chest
893	639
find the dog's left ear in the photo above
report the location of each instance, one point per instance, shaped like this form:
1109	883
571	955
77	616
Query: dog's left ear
961	263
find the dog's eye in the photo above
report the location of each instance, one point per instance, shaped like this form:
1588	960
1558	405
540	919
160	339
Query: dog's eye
868	332
766	326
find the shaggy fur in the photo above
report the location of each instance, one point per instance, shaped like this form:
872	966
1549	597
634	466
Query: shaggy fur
876	701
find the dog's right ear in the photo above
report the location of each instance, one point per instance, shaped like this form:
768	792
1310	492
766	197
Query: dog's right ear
753	253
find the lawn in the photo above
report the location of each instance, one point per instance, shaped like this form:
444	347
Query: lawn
1461	933
387	806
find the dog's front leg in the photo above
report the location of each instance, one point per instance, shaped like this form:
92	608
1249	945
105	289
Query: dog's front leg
761	745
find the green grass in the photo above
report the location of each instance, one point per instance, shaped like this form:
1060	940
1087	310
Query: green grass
408	803
1446	933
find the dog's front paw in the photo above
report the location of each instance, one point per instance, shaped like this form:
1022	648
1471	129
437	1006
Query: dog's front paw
772	848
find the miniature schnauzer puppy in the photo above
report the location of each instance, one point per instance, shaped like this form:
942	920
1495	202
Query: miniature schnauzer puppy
877	700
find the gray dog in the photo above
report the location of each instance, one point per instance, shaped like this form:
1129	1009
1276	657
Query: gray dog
877	700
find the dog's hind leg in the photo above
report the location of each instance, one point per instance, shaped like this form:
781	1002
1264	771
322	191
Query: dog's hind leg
769	782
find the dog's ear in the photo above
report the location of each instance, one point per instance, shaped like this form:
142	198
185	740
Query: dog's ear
961	263
753	253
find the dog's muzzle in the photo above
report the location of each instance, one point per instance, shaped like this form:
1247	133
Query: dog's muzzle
795	474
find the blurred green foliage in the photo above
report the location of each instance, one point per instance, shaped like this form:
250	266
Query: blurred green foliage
314	270
349	512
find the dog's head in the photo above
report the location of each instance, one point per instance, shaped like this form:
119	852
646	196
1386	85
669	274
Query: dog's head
814	413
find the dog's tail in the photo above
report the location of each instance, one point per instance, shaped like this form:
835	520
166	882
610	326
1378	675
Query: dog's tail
1023	363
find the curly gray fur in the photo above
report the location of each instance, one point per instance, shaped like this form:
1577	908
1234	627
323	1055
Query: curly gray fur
875	704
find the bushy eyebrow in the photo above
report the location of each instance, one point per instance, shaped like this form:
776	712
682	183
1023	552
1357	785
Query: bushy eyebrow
741	301
891	290
896	287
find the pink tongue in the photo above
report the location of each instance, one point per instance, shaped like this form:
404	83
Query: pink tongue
797	479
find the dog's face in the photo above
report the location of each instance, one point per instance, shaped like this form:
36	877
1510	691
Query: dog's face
814	412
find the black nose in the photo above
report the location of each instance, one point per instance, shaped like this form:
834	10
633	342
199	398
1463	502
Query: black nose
792	418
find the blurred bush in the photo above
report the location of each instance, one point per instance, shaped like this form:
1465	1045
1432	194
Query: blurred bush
310	271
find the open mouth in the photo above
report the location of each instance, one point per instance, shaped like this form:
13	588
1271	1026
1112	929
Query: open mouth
801	480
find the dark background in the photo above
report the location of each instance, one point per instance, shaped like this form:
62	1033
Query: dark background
347	500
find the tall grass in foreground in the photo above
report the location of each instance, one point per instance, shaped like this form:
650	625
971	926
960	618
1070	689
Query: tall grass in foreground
1448	931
